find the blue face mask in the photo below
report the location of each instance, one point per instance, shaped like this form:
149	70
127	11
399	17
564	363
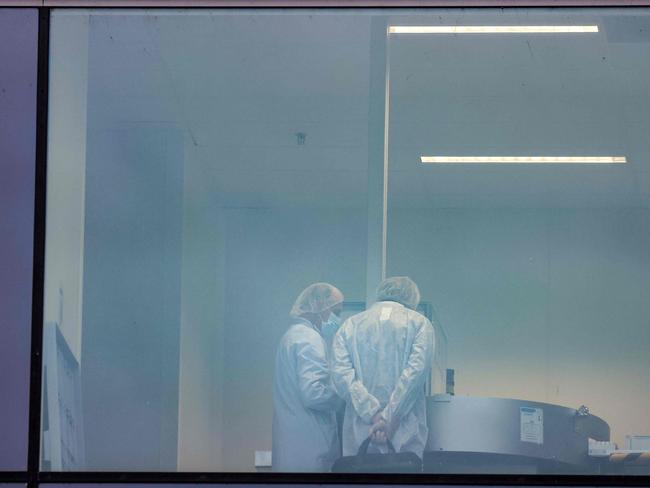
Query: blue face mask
329	328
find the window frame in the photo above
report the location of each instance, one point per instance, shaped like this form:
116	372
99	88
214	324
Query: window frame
34	477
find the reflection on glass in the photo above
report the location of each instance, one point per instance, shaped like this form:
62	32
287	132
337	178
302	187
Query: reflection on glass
18	58
206	166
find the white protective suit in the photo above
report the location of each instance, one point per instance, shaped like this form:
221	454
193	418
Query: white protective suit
381	359
305	436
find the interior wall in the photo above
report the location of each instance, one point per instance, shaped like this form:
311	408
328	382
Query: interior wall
200	412
66	177
547	305
133	255
132	296
271	256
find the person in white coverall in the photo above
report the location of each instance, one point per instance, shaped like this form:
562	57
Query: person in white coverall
381	359
305	435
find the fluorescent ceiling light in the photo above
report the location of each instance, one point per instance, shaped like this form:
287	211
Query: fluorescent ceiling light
491	29
525	159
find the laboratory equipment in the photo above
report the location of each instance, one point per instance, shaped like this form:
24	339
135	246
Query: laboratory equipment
502	435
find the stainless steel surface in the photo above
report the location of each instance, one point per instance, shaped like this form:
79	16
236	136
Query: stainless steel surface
462	424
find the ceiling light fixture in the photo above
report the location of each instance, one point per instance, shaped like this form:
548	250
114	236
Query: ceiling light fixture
491	29
524	159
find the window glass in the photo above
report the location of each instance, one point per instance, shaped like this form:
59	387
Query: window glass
538	270
206	166
18	46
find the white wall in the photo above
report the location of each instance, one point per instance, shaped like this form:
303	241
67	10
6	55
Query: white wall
548	305
200	403
242	270
66	174
271	256
132	294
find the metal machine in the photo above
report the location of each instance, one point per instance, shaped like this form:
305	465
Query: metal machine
500	435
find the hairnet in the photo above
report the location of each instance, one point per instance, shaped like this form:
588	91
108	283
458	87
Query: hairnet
401	289
316	298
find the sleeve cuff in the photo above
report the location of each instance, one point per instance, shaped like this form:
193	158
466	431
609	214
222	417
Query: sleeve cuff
372	411
385	416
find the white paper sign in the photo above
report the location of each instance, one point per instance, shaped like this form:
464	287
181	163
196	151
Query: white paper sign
532	425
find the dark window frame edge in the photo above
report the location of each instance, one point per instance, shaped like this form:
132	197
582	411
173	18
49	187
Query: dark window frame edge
247	4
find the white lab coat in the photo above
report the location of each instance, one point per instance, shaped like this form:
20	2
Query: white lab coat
381	359
305	436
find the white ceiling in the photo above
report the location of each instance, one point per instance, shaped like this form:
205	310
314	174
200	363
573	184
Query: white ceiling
241	86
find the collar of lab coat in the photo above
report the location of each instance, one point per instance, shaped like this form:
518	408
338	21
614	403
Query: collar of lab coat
302	320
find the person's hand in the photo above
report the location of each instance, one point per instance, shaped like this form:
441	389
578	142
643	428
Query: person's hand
378	431
381	432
